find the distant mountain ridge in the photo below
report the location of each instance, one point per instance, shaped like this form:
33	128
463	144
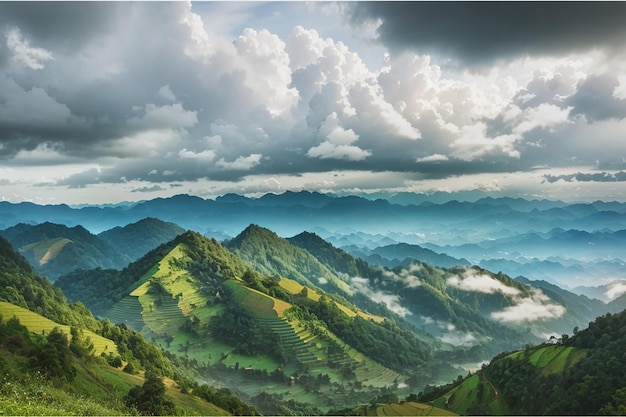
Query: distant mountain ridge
477	229
137	239
55	249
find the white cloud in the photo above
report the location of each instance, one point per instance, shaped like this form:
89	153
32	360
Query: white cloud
243	163
433	158
23	53
164	117
166	93
474	143
338	142
533	308
615	290
204	156
392	302
474	282
406	276
268	73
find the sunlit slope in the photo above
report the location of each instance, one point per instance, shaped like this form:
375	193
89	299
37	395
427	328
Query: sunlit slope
170	304
39	324
46	250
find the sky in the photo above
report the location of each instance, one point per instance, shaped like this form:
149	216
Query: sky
103	102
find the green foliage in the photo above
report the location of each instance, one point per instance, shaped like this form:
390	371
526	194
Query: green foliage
274	404
225	399
581	376
80	248
135	350
54	357
19	285
149	399
270	255
386	343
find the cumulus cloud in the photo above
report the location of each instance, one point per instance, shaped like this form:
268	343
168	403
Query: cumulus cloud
166	92
536	307
337	143
163	117
437	157
391	301
483	283
217	101
243	163
203	156
595	98
25	54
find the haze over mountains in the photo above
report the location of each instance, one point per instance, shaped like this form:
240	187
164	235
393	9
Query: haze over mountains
573	245
331	302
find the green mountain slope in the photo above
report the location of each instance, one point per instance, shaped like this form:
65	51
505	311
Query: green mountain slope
137	239
54	249
57	359
271	254
422	296
579	375
263	335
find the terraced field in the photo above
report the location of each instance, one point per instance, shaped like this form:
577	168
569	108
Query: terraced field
294	287
553	359
127	311
39	324
310	348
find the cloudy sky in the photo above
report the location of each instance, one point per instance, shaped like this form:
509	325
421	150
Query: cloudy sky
113	101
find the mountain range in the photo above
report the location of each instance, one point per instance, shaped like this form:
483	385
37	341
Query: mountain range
330	316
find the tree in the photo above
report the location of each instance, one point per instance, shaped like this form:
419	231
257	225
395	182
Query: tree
150	399
54	358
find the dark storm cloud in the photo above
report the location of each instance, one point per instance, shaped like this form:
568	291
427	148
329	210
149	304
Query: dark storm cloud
69	23
596	101
476	32
586	177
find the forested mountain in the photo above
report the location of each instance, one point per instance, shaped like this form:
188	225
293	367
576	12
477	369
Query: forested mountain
55	249
299	325
137	239
57	359
478	312
195	296
579	375
271	254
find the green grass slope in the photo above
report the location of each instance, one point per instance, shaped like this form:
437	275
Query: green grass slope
57	359
196	299
579	375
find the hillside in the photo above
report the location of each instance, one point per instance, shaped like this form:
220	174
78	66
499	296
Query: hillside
579	375
423	296
271	254
137	239
252	331
55	249
57	359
